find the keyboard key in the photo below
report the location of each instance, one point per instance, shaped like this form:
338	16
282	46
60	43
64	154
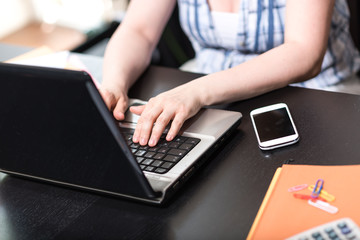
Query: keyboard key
174	145
154	149
135	145
186	146
128	137
161	170
157	163
162	157
171	158
149	168
193	141
159	156
139	159
164	144
163	150
140	153
147	162
167	165
180	139
177	152
150	154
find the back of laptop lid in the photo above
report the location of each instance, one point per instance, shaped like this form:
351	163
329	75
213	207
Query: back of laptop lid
54	126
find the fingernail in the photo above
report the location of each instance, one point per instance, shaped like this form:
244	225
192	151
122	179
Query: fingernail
152	142
169	137
135	139
142	141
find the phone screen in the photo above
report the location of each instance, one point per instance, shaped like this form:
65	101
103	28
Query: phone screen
273	124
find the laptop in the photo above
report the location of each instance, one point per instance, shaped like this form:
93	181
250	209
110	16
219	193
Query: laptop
55	127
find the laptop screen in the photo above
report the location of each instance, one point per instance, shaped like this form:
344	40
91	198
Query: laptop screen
54	126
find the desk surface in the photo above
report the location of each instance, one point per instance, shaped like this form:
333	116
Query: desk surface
219	202
8	51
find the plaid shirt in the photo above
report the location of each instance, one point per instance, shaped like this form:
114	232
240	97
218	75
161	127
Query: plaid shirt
260	28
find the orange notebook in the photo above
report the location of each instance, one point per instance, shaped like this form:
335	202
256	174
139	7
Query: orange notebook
281	215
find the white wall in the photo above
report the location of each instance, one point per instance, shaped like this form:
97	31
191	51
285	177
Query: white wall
79	14
14	14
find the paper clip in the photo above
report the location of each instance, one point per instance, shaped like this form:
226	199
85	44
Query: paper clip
324	206
317	189
325	195
297	188
307	197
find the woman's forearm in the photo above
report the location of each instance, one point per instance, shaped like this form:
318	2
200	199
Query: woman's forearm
274	69
130	48
126	57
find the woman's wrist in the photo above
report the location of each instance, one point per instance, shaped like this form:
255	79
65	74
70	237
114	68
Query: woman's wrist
201	90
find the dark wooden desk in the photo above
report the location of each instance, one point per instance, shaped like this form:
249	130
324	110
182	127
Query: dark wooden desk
220	202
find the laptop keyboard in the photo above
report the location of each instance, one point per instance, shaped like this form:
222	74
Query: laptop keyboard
161	158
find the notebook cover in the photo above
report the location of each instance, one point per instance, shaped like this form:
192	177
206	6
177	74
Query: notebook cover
281	215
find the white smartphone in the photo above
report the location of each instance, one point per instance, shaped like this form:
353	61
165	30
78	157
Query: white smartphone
274	126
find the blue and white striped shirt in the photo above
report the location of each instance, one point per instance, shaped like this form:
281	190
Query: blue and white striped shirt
261	28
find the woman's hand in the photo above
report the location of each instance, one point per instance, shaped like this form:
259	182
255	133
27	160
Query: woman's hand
175	106
117	103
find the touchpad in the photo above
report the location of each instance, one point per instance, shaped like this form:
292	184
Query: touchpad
129	116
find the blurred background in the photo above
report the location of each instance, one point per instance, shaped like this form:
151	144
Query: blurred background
81	26
85	26
58	24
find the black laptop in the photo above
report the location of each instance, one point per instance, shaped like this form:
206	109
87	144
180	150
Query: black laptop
55	127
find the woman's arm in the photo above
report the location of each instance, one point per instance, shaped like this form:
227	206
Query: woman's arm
130	48
298	59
